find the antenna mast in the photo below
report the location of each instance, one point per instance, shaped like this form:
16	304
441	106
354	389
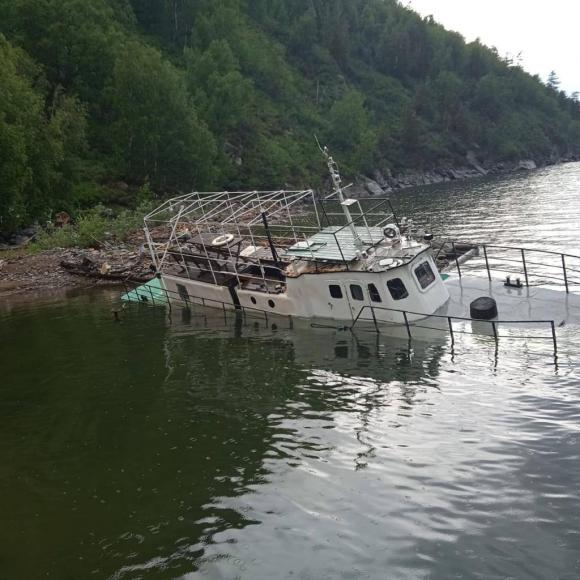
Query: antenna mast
337	182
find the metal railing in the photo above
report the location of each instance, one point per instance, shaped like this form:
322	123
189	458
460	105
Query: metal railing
409	325
493	324
562	269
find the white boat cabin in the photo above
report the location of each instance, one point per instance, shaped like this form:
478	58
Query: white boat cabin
271	252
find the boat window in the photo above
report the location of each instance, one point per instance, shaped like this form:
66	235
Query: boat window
356	292
335	291
425	275
374	293
397	289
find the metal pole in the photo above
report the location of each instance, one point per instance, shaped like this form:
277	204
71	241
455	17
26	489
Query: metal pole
494	330
270	241
407	324
395	217
554	337
374	319
486	262
456	259
525	267
451	330
565	273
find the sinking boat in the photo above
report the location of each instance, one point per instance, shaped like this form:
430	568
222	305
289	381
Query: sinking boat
339	261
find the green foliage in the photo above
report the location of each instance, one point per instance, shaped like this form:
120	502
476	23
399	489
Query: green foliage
155	126
100	99
94	228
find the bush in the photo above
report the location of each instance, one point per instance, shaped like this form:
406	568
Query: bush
94	228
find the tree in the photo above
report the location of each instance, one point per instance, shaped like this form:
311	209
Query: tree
553	81
40	149
350	131
156	130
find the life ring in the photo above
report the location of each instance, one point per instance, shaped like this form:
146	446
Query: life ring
222	240
391	232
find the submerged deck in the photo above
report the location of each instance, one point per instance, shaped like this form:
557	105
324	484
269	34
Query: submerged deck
525	304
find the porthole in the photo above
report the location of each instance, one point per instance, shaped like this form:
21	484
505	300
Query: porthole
253	300
271	304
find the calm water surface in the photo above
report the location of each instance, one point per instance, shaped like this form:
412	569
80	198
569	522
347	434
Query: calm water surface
168	446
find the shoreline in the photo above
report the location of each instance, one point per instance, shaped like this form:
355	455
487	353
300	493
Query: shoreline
384	182
64	269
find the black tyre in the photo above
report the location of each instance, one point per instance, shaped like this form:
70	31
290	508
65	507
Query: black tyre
483	308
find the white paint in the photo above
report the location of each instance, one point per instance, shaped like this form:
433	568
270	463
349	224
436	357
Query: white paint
308	295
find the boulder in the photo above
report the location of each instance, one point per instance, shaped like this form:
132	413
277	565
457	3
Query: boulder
474	162
527	164
373	187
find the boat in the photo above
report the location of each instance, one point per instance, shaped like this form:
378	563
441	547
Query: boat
347	261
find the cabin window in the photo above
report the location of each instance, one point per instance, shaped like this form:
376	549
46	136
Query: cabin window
183	293
397	289
374	293
425	275
335	291
356	292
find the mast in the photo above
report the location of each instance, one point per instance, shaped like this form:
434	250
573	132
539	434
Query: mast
344	203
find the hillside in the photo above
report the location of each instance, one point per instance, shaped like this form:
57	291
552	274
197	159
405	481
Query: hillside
109	99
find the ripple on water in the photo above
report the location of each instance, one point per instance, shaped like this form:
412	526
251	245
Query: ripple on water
164	448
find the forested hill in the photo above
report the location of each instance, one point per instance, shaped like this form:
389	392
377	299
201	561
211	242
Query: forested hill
98	97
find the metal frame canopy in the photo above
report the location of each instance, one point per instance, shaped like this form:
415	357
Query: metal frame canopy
243	214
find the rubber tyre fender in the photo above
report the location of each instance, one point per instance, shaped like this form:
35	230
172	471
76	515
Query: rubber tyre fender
484	308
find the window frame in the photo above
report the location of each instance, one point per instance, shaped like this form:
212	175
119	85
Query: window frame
406	295
421	265
362	292
374	294
330	288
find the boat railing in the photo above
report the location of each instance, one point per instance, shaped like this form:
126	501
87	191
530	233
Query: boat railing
145	294
533	267
448	324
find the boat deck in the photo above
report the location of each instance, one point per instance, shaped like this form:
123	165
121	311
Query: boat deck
513	304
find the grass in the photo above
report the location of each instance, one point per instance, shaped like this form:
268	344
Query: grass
93	228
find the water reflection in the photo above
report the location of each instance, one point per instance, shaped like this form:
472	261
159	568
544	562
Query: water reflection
167	447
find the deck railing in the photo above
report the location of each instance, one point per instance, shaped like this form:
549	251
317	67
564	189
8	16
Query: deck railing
448	327
562	270
146	295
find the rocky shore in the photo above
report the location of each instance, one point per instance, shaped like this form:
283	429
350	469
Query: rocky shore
383	181
57	269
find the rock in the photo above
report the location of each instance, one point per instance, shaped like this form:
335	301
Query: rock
19	240
104	269
373	187
380	178
473	161
527	164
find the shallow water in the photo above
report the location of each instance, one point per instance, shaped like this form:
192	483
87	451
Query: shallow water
169	446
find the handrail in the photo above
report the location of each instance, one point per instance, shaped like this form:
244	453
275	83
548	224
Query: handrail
494	323
521	260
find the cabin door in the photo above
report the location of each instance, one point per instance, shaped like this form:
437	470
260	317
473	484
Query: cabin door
339	302
358	297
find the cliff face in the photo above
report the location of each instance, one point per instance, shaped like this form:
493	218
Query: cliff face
200	94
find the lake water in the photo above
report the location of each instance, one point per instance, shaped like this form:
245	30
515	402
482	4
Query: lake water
175	446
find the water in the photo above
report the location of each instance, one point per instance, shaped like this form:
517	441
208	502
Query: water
186	447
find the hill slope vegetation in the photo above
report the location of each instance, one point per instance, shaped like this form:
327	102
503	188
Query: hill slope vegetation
102	97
